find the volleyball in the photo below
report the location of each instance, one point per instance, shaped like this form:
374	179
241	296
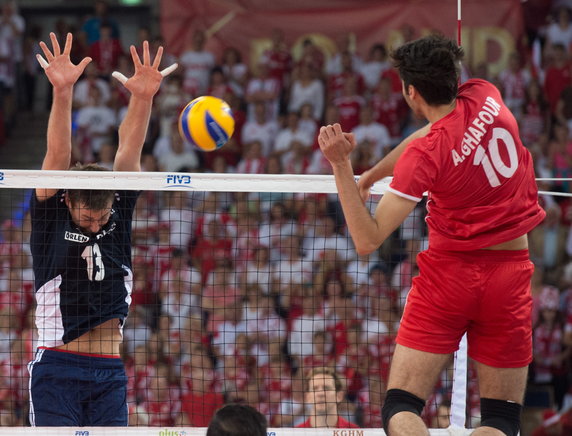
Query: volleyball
206	123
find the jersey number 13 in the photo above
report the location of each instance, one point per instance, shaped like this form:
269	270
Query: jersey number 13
95	267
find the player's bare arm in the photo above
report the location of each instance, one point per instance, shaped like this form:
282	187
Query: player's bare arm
62	74
384	168
143	86
367	232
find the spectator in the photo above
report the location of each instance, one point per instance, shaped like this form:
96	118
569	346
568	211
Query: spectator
557	77
92	25
278	59
336	64
262	88
337	81
549	353
106	51
81	95
307	89
218	86
252	161
197	63
96	123
374	132
179	157
292	137
514	81
234	70
201	402
535	114
560	30
375	66
323	393
349	104
552	424
260	128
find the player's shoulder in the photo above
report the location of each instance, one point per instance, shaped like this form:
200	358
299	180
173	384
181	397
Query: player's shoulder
477	86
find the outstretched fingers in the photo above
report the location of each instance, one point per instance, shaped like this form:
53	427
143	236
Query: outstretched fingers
158	56
169	70
135	57
68	45
47	52
55	44
119	76
43	63
146	56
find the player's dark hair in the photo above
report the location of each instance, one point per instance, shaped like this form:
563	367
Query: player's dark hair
93	199
237	420
431	65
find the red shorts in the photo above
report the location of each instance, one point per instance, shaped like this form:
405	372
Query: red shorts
485	293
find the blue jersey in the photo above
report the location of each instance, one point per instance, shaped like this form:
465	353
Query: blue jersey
81	281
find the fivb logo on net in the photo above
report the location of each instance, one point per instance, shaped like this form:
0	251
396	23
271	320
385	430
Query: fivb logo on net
173	180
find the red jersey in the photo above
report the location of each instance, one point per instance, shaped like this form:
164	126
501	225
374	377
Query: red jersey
479	176
342	423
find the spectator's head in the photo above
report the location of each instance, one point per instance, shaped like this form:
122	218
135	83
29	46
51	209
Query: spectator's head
366	115
324	390
105	31
237	420
231	56
430	67
89	209
199	39
378	53
101	8
260	112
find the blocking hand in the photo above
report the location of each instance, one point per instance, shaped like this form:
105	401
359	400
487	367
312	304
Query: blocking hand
147	78
61	72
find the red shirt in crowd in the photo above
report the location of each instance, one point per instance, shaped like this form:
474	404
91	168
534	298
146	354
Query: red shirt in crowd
342	423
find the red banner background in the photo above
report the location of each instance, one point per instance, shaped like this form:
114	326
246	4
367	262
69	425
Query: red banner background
490	27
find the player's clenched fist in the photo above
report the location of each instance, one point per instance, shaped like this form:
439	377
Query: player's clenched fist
335	144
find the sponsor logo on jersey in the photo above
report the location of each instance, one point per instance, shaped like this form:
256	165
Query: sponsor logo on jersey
76	237
106	231
178	180
81	433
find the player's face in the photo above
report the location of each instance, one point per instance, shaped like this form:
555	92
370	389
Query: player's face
89	221
322	394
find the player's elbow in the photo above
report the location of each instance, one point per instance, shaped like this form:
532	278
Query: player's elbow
364	248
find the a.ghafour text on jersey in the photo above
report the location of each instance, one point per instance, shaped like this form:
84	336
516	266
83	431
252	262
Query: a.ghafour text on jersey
476	130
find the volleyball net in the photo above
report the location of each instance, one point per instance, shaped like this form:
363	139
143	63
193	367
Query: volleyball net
241	285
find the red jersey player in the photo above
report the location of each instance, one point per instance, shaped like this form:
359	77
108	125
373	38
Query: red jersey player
475	276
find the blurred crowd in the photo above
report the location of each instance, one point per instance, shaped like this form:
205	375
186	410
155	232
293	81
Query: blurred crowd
236	296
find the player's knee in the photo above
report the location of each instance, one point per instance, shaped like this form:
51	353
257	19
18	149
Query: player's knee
502	415
397	400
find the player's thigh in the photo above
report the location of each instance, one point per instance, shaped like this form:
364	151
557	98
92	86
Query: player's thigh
416	371
507	384
54	397
108	399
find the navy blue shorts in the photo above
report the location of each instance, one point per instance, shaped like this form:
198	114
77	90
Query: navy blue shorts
68	389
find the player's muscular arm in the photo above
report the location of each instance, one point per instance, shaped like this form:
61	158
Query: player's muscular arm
143	86
367	232
62	74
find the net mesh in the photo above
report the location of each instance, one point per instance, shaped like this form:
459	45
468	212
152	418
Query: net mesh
236	295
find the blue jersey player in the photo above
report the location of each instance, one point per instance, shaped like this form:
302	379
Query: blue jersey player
81	248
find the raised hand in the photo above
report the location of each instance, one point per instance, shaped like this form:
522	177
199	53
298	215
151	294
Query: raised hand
335	144
61	72
147	78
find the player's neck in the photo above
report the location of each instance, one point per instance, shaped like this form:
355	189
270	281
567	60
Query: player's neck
435	113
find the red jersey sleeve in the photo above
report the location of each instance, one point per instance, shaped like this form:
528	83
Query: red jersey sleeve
415	171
